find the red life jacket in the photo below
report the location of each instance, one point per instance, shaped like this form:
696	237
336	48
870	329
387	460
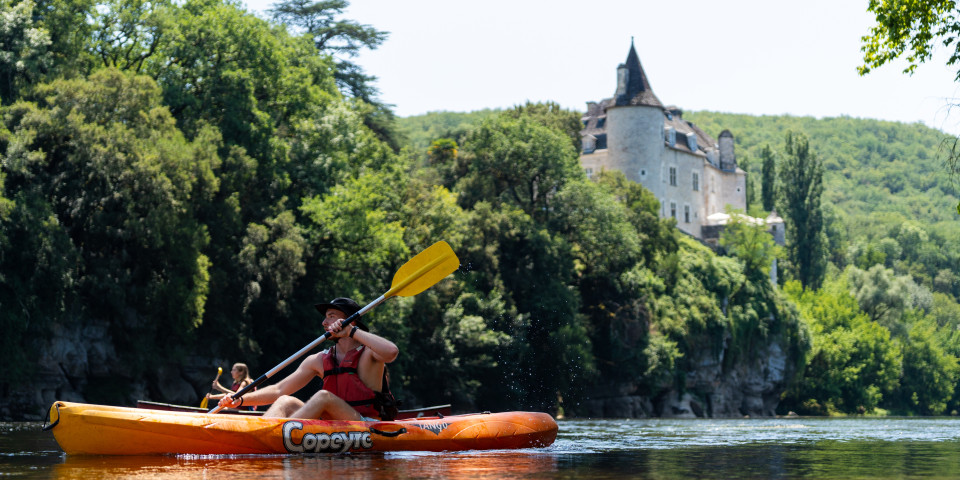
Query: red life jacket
236	387
343	381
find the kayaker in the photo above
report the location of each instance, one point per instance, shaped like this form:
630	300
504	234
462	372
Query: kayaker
241	378
353	372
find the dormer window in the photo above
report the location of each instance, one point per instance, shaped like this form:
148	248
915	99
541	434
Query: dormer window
589	143
601	121
671	136
692	141
601	141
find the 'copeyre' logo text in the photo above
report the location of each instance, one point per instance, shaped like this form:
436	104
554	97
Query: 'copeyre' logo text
336	442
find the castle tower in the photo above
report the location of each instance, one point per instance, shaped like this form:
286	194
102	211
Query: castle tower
728	159
635	127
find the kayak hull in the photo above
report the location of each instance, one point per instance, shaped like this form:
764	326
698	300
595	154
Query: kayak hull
85	429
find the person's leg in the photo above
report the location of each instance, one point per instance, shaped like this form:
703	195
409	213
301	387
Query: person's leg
325	404
283	407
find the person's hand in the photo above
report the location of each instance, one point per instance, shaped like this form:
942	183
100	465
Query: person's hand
208	396
228	402
336	329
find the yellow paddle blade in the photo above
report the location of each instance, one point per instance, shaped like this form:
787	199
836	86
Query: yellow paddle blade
203	403
423	271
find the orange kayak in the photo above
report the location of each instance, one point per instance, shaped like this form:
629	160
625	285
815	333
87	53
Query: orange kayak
104	430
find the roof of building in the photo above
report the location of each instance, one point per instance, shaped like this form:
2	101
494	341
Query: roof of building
638	87
639	92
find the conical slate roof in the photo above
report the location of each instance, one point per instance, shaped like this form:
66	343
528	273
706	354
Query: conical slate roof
638	87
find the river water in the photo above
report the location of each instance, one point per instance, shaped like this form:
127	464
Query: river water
596	449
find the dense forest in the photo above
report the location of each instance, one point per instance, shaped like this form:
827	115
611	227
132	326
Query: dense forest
186	179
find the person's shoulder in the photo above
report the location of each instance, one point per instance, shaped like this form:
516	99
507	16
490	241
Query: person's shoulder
316	359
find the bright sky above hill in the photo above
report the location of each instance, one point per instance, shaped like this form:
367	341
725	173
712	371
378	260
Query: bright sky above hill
737	56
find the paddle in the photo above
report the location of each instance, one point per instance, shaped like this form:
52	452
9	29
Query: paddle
418	274
203	403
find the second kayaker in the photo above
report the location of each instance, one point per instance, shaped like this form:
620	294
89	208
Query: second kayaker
353	370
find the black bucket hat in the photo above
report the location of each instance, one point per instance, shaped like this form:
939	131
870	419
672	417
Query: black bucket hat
345	305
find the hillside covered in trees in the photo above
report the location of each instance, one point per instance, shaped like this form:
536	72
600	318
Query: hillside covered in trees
181	181
890	224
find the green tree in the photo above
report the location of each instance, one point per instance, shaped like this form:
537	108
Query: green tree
885	297
127	32
750	187
442	156
912	30
23	48
929	373
342	39
751	244
517	161
68	25
550	114
801	174
854	364
101	173
768	182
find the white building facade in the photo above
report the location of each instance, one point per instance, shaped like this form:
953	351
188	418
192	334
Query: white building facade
693	174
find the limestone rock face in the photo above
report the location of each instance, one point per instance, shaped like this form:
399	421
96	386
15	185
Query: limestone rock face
747	387
75	357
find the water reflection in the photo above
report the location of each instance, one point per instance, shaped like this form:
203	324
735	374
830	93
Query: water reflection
475	465
805	448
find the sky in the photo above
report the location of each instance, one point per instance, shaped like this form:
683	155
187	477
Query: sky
757	57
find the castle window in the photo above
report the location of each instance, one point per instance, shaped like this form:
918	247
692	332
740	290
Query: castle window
673	209
601	141
601	122
673	176
686	213
643	173
589	173
696	182
589	143
692	141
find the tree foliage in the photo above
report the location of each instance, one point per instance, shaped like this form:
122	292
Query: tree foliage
768	182
854	364
189	179
802	176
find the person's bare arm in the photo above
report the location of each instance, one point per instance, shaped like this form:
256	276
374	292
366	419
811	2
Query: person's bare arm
312	366
221	388
383	350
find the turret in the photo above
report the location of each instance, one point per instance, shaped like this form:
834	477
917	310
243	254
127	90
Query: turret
728	159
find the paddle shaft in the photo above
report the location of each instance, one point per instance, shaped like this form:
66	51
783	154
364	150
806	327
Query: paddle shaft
415	276
292	358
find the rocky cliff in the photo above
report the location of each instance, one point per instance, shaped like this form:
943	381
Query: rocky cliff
747	387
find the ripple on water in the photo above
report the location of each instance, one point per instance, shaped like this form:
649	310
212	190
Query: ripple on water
586	436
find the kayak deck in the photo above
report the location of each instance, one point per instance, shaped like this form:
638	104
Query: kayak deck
433	411
105	430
